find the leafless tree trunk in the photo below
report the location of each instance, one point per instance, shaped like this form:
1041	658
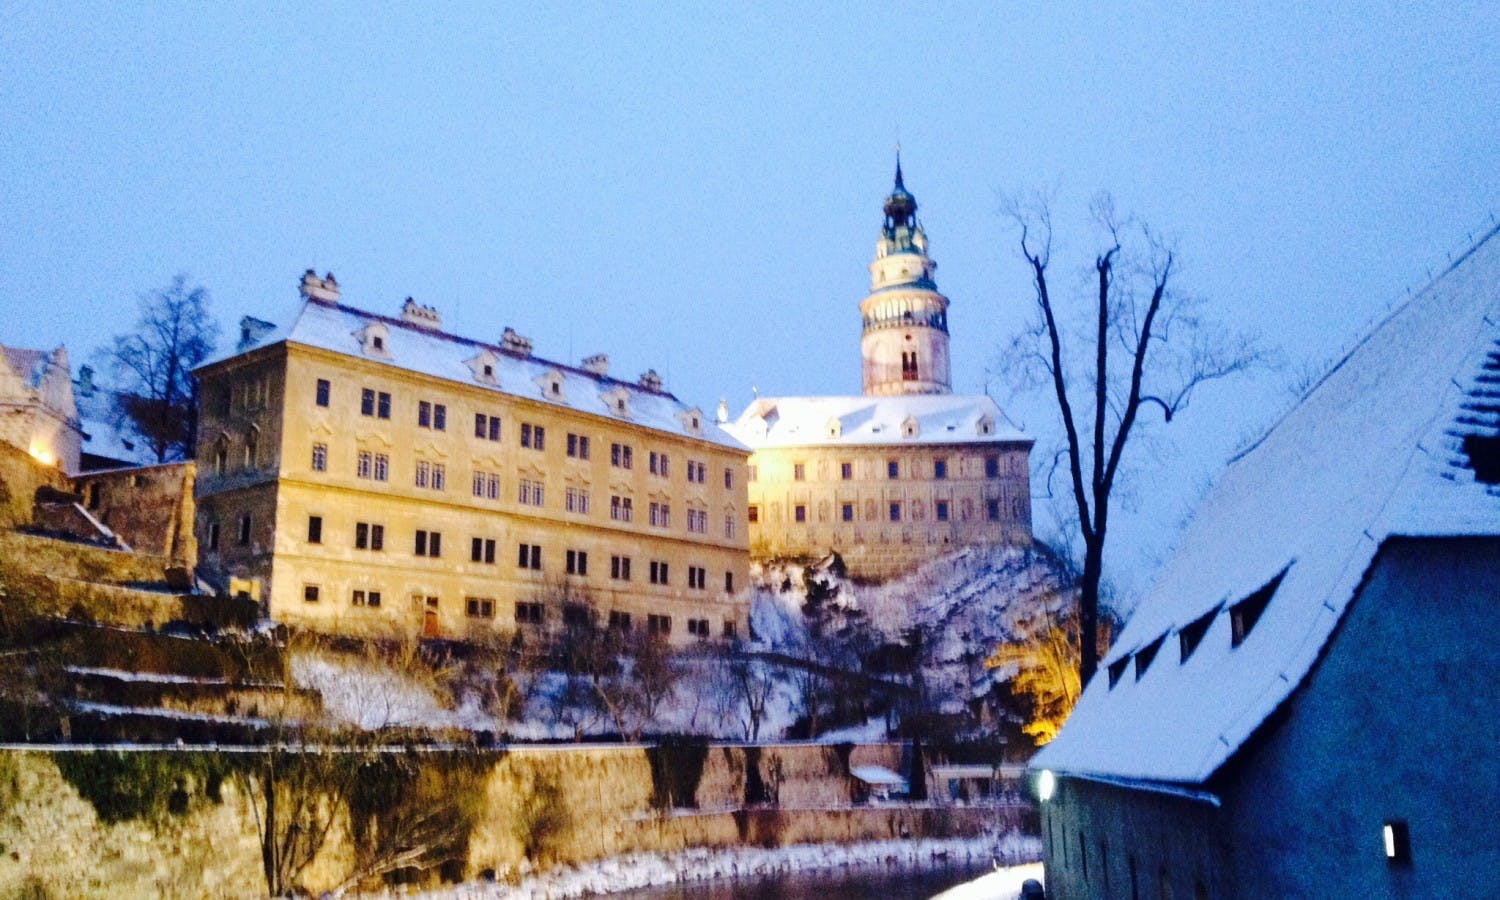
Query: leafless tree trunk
1167	351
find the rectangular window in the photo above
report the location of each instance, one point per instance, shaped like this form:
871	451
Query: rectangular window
992	467
846	512
578	562
939	469
529	556
533	436
697	577
424	473
479	607
531	492
799	471
528	613
482	550
658	464
367	402
656	624
362	598
382	467
729	632
697	521
320	457
728	583
729	526
941	510
895	512
324	388
439	477
310	593
753	514
620	456
658	572
244	529
429	543
315	529
799	512
846	471
576	500
992	510
439	417
424	414
661	515
892	469
697	472
382	405
213	535
485	427
619	621
619	568
754	473
365	466
578	446
728	479
620	508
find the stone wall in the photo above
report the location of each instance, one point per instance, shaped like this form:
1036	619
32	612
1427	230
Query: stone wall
150	507
182	823
20	476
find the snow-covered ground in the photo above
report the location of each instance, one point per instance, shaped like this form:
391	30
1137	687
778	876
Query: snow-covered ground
643	870
1001	884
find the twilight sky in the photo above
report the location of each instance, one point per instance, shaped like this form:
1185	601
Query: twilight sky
697	187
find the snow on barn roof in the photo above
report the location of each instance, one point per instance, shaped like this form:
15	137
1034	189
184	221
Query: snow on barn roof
1387	444
511	370
844	421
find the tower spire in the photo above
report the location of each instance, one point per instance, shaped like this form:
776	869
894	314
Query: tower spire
900	184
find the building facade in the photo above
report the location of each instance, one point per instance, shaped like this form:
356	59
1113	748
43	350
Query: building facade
907	470
365	473
38	413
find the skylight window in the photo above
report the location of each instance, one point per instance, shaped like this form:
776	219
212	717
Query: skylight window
1244	614
1117	669
1192	634
1145	655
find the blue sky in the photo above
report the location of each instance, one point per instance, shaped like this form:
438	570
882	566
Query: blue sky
696	188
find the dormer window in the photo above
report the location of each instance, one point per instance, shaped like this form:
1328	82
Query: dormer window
484	367
692	421
910	428
1244	614
1117	669
835	427
373	339
1145	655
617	401
985	425
1192	635
551	385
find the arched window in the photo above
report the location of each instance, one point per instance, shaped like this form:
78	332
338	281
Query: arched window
908	365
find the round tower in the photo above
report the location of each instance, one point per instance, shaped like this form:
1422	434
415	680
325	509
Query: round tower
905	341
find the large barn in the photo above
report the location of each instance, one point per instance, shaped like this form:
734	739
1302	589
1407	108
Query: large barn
1305	704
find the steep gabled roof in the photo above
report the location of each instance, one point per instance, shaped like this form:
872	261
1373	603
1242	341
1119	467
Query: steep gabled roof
1388	443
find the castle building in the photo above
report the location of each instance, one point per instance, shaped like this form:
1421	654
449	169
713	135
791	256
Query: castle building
905	471
365	473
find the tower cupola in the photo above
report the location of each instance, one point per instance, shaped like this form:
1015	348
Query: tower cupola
905	341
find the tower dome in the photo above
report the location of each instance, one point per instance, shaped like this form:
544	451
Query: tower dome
905	340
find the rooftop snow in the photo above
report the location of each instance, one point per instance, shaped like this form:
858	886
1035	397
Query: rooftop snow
337	328
1374	450
809	421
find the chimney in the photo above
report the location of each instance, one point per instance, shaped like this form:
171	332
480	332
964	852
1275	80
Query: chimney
598	364
414	313
514	344
651	381
324	290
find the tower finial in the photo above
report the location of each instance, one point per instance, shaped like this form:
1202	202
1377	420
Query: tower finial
900	185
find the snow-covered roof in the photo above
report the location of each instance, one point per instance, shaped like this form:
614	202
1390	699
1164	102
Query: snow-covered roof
877	775
426	350
846	421
1386	444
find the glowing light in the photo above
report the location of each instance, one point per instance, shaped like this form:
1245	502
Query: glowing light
1046	785
1389	832
42	455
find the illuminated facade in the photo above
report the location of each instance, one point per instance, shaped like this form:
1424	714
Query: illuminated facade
365	473
37	409
906	471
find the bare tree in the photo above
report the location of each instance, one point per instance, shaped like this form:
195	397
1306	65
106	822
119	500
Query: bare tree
155	390
1146	346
